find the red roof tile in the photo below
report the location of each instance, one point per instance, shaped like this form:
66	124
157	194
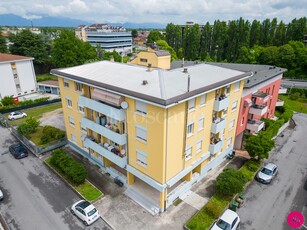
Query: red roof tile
11	57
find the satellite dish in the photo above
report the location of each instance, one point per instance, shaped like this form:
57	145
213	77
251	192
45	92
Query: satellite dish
124	105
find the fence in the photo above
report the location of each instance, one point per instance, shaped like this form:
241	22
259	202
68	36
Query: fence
30	106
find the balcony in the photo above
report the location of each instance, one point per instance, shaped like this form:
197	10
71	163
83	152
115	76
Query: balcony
255	125
221	103
218	125
280	102
261	97
109	111
258	110
118	138
121	161
282	90
215	148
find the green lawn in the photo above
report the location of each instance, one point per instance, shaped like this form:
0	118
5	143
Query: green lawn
88	191
35	113
45	77
36	137
299	105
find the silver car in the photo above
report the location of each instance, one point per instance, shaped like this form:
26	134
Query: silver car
16	115
267	173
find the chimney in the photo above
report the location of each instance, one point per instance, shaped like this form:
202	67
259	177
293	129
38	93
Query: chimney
149	67
189	80
111	58
144	82
185	70
182	64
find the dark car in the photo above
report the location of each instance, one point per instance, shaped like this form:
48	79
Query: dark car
18	151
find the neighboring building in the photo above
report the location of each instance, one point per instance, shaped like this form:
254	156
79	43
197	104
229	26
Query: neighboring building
17	74
141	39
49	86
158	131
107	37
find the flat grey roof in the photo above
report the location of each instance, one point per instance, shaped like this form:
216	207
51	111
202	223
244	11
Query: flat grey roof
261	73
163	87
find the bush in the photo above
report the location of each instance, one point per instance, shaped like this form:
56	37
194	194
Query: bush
294	96
50	134
67	165
7	101
28	127
213	210
230	181
252	165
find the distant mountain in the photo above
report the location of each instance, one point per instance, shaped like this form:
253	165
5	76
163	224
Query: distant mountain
47	21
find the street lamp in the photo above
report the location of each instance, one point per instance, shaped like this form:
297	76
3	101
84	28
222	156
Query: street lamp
216	49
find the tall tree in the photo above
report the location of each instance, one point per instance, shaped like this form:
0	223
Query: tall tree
154	36
265	32
3	46
219	36
296	29
191	42
68	50
205	41
134	33
280	35
173	36
269	55
254	33
272	31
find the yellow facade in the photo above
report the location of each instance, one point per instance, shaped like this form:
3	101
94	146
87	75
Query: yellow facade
149	57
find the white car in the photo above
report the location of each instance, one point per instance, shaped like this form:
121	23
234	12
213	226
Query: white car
16	115
229	220
85	211
1	195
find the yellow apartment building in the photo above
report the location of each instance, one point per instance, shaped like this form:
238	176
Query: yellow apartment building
158	131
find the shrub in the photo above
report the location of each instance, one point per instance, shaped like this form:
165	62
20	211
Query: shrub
28	127
67	165
252	165
51	133
294	96
213	210
7	101
230	181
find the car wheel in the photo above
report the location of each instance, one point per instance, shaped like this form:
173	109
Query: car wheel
72	211
85	223
13	118
24	116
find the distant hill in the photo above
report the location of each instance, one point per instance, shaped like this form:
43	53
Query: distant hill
47	21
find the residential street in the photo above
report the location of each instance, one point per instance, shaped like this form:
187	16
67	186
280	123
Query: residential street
267	206
35	198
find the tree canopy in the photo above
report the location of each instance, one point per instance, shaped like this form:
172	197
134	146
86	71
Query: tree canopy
3	47
154	36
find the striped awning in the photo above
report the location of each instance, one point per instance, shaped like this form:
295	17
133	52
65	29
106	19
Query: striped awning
107	97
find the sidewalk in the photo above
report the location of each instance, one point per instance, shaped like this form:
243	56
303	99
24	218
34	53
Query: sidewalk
123	213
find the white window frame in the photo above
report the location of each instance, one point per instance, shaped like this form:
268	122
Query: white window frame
66	83
73	137
201	123
191	104
231	124
199	146
71	120
81	109
229	140
203	99
188	153
78	87
190	129
227	89
141	133
237	86
83	129
141	158
141	107
68	102
233	108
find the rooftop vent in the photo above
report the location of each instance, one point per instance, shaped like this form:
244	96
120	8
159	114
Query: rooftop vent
185	70
149	67
145	82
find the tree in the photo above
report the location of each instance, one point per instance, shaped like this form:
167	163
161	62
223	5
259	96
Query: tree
254	33
68	50
191	42
205	41
286	56
219	37
3	46
154	36
265	32
134	33
164	46
7	100
280	35
173	36
28	127
230	181
268	55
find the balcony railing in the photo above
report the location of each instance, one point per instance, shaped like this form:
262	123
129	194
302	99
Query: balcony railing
221	103
261	97
215	148
106	152
118	138
282	90
254	125
258	110
280	102
218	125
109	111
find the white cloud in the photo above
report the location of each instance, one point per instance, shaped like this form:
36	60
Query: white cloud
160	11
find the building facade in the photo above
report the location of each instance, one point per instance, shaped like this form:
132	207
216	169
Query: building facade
18	75
158	131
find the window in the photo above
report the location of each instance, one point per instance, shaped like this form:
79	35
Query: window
143	60
73	137
141	158
188	153
66	83
229	140
224	112
192	104
190	129
201	123
199	146
83	129
242	121
18	86
15	75
81	109
68	102
202	100
237	86
78	86
231	124
227	89
141	133
234	105
141	107
71	120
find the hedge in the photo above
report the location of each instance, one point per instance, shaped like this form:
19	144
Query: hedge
50	134
75	171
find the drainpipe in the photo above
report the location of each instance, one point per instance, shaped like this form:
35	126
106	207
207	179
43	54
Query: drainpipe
166	134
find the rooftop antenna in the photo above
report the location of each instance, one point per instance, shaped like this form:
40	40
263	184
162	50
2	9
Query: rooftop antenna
182	65
189	79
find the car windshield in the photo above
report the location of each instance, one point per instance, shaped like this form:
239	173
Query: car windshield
223	225
92	212
19	148
266	171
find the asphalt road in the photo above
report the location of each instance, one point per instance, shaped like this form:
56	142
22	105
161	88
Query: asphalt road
294	84
35	198
267	206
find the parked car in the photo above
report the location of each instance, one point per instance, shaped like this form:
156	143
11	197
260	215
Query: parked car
18	151
229	220
1	195
85	211
16	115
267	173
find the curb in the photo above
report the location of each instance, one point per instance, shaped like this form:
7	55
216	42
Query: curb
3	224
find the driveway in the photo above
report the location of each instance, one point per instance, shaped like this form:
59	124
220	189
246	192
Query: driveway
35	198
267	206
54	118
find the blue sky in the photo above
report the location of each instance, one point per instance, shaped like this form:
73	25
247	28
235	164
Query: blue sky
160	11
